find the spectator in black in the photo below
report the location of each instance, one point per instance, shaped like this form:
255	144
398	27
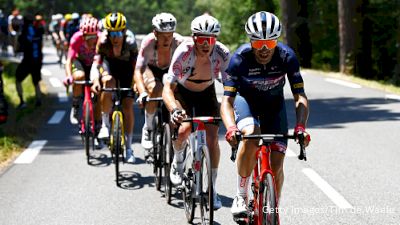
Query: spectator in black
31	42
3	101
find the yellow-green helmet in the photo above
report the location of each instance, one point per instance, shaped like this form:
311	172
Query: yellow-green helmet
115	21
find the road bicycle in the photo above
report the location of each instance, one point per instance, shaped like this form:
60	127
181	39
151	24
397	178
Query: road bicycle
87	123
157	155
117	135
262	204
197	186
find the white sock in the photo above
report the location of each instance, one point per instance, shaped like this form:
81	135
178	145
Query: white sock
128	140
148	120
242	184
214	172
105	119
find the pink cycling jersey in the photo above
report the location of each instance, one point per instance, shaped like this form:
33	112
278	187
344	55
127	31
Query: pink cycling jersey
79	50
148	51
184	60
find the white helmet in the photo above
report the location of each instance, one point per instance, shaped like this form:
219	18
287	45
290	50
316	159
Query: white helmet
164	22
75	16
205	24
263	26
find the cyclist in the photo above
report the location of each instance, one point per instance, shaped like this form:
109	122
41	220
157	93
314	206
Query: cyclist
77	67
153	62
190	83
257	72
115	59
54	28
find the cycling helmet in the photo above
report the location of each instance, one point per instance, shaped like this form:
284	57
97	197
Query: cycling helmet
205	24
75	16
68	16
263	26
89	26
100	24
164	22
115	21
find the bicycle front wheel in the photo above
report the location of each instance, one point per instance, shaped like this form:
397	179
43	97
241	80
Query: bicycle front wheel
188	190
168	157
87	135
157	151
116	144
207	192
268	201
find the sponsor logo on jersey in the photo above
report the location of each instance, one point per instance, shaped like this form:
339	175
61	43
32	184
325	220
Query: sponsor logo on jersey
254	71
230	89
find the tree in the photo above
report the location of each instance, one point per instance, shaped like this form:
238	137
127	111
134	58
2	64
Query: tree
295	23
349	34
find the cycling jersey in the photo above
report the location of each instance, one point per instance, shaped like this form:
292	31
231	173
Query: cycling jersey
184	59
128	52
148	54
79	50
253	80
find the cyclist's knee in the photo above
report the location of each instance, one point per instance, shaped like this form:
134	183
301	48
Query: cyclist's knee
108	81
78	75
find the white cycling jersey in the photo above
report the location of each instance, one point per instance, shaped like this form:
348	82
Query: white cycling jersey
184	58
148	54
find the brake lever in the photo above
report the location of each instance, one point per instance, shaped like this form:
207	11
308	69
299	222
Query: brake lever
302	155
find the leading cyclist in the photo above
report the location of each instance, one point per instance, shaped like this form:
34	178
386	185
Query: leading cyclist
114	61
153	62
190	84
257	72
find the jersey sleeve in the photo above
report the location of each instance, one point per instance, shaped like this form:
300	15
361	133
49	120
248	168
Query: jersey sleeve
293	73
142	59
232	73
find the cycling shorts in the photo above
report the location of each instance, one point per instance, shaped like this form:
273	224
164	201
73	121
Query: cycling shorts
271	120
204	103
79	66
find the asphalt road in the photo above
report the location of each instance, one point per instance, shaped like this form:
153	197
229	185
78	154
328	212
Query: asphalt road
352	175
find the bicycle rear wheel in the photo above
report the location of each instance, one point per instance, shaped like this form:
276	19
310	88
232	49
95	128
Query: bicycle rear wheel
157	151
267	199
87	134
207	194
116	144
168	157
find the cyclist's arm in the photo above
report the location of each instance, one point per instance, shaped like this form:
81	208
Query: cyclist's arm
169	97
227	112
302	109
72	53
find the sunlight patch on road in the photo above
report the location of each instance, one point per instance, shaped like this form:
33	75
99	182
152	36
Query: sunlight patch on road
55	82
343	83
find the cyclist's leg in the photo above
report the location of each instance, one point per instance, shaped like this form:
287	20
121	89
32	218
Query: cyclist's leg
107	81
275	122
245	160
78	73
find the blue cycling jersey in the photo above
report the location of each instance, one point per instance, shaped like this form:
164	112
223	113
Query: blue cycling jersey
255	81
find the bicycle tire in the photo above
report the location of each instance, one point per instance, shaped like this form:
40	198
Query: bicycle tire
116	145
157	153
87	129
207	192
269	203
189	202
168	150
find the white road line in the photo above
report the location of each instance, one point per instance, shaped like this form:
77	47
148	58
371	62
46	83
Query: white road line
337	198
45	72
31	152
343	83
62	97
394	97
55	82
57	117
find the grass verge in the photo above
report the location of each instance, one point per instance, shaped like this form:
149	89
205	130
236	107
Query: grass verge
22	125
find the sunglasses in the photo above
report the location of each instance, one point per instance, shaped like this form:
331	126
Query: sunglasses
90	36
209	39
259	44
114	34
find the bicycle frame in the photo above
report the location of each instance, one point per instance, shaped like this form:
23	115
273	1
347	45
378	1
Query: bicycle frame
87	100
